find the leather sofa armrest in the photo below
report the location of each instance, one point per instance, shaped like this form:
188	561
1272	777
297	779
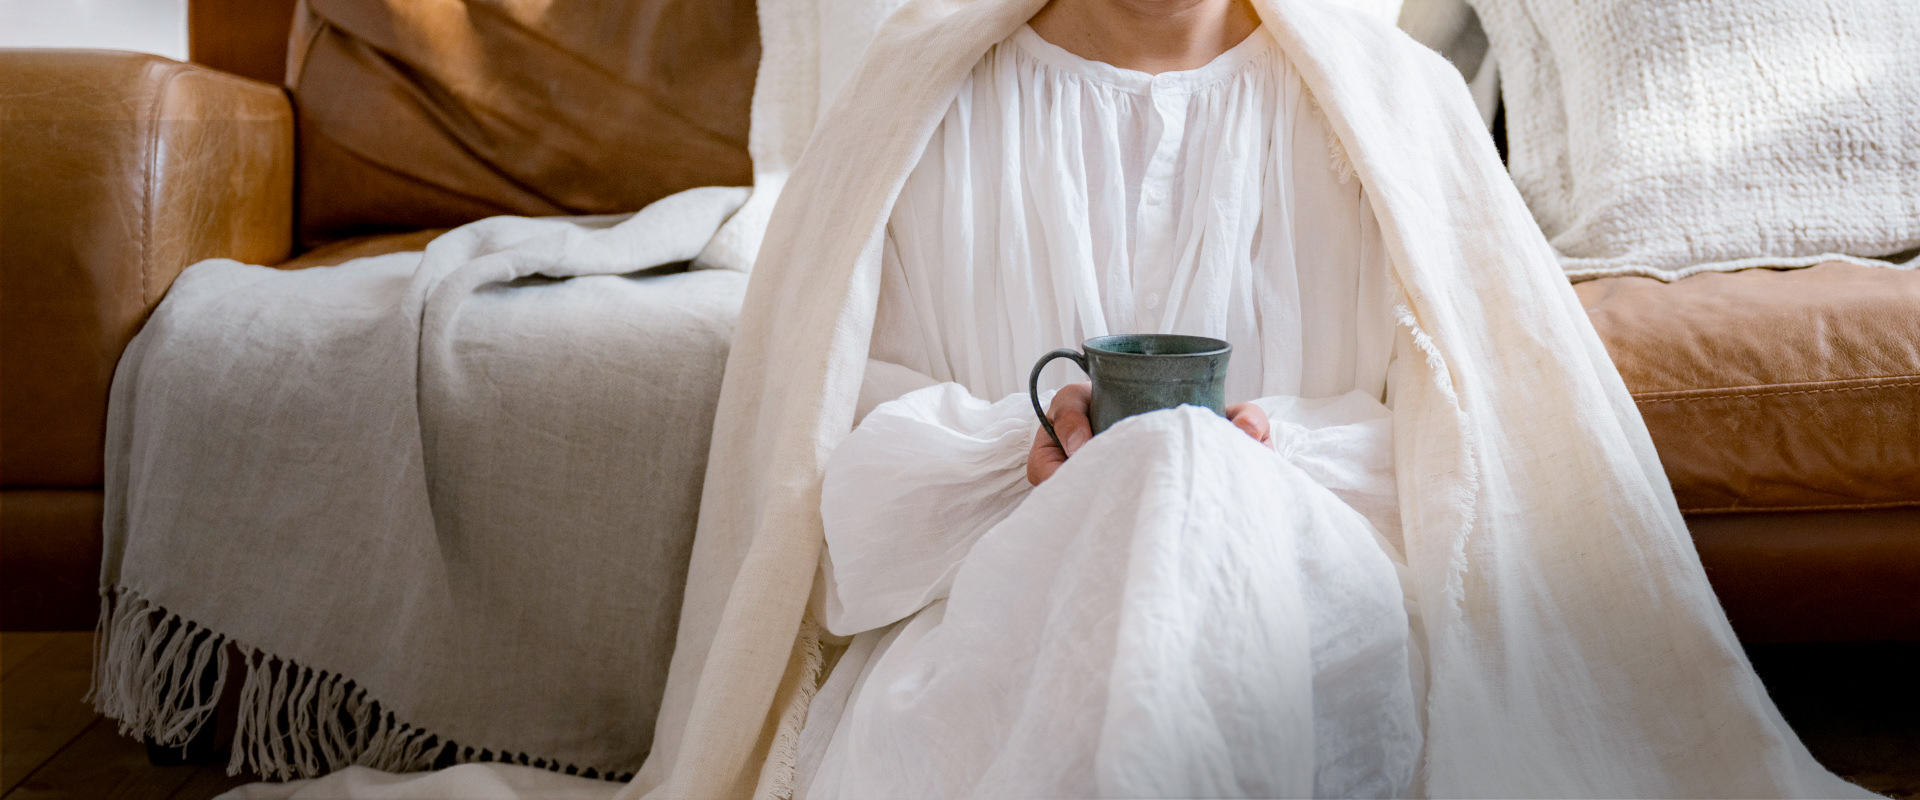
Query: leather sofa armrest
117	170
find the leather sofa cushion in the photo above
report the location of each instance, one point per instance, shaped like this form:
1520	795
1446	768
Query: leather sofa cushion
429	115
345	250
1774	390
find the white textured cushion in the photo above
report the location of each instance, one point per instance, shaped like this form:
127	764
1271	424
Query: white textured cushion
1668	137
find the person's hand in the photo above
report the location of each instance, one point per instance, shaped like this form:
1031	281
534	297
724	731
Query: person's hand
1068	413
1248	417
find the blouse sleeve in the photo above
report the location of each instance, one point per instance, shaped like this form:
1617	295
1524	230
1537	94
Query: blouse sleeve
907	494
1344	443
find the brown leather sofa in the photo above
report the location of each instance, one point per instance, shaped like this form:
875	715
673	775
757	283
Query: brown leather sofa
116	172
1785	404
341	128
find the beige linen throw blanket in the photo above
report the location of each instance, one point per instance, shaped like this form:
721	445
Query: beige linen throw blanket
1574	646
426	497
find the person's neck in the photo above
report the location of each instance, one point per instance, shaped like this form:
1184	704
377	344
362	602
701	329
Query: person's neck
1151	36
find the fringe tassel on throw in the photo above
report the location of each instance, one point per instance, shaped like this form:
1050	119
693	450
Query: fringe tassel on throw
296	721
162	676
148	670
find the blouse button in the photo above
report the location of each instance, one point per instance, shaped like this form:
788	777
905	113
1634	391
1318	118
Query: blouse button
1156	195
1153	301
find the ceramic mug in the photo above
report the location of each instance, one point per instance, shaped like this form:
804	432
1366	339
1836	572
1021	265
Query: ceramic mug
1134	373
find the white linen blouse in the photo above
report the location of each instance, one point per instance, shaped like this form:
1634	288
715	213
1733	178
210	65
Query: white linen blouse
1063	198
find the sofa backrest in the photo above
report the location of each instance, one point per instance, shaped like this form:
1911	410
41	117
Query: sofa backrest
245	37
432	113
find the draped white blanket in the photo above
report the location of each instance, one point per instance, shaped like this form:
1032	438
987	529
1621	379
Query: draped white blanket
1176	613
1574	646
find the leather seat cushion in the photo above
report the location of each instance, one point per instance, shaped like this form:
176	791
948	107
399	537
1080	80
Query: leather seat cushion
430	115
1774	390
345	250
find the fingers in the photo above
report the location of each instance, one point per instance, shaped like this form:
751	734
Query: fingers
1044	458
1068	412
1248	417
1069	415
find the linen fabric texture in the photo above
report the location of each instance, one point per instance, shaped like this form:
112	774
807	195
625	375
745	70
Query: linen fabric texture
410	490
1665	139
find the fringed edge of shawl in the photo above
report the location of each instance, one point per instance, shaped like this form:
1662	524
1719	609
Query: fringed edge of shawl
1337	159
778	780
1469	490
1337	156
162	676
1403	314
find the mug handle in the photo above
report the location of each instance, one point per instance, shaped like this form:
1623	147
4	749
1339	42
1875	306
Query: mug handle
1033	387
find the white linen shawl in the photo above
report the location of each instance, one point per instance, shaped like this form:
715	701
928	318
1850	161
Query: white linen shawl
1575	646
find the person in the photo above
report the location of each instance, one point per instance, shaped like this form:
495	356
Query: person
1121	167
1431	553
1192	606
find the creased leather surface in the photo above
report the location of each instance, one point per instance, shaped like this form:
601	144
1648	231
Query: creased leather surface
117	170
1774	389
430	115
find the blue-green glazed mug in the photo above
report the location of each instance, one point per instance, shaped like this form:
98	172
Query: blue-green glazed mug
1134	373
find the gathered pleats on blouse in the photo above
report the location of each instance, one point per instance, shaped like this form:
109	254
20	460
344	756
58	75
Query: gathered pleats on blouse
1062	199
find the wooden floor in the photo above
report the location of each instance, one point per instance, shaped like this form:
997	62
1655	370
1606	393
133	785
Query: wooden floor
52	745
1856	706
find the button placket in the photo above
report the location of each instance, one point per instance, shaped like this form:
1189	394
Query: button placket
1154	217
